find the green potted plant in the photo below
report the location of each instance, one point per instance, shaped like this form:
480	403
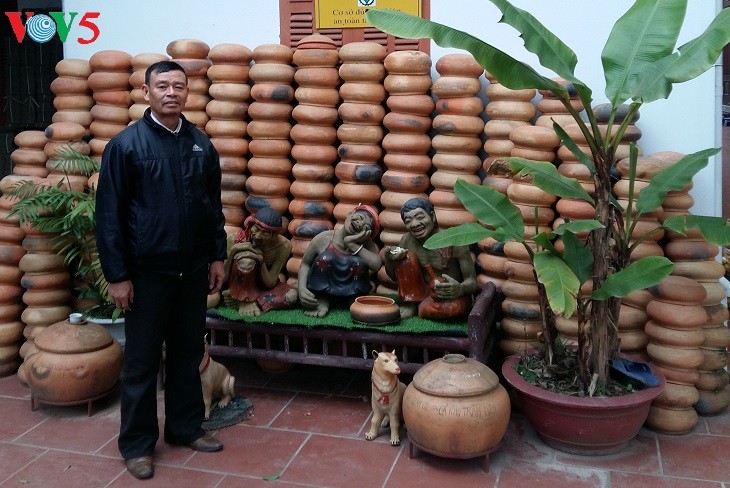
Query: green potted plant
69	215
641	65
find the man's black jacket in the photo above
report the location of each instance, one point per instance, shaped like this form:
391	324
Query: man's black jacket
158	202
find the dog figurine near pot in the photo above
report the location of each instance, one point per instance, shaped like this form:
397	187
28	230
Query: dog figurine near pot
217	382
387	395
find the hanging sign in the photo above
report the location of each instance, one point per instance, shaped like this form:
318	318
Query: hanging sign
349	14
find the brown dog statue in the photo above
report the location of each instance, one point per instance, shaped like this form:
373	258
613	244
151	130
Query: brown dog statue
387	394
217	382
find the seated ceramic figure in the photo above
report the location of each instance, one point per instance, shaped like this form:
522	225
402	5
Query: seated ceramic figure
338	263
255	261
435	284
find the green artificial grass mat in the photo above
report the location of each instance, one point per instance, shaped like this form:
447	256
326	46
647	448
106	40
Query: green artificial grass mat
341	319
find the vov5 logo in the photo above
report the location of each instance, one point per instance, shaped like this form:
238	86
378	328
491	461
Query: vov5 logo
41	28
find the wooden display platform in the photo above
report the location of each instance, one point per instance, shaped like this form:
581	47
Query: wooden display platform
353	348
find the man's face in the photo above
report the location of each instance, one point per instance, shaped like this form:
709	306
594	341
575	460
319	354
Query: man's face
419	223
166	93
261	237
358	221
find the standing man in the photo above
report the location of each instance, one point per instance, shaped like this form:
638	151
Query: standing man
159	230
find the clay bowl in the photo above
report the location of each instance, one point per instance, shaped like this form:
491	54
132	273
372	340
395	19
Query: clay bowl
374	310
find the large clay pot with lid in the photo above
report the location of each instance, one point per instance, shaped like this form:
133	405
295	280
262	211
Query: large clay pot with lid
456	408
77	362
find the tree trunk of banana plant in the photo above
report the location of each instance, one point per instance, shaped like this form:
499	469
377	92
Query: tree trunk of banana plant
598	339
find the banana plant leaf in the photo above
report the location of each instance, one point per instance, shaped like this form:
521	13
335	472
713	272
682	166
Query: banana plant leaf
552	52
577	226
577	256
546	177
561	285
701	53
672	178
646	33
464	234
509	71
492	208
573	147
715	230
643	273
652	83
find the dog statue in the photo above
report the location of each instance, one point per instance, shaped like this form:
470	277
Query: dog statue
217	382
387	394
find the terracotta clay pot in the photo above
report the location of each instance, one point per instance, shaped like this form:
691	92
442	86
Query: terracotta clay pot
456	408
75	363
582	425
374	310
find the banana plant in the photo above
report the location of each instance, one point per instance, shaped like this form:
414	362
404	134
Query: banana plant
641	64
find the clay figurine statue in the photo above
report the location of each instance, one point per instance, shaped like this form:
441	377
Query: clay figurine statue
337	263
435	284
387	396
255	261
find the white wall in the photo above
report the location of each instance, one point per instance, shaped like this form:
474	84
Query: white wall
689	121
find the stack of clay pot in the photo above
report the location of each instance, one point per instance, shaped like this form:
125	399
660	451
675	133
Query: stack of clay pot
407	143
521	307
632	133
675	335
315	142
227	127
192	54
65	135
11	306
713	377
47	284
270	113
109	83
457	127
140	63
30	158
632	321
570	166
646	169
507	109
552	110
360	134
72	96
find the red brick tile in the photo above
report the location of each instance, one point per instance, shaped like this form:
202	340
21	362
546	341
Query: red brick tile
166	476
10	386
639	456
631	480
250	451
696	456
238	482
57	468
79	434
521	442
520	474
339	462
324	415
13	458
718	424
17	418
267	404
431	470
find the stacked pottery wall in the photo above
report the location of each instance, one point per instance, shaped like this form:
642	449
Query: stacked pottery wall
294	153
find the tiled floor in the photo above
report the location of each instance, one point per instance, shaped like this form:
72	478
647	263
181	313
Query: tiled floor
308	430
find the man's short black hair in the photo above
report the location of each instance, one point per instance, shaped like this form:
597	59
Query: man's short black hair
162	67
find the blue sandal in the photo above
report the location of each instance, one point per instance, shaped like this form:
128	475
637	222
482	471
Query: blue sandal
637	373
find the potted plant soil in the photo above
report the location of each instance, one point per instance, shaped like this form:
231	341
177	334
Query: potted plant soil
641	65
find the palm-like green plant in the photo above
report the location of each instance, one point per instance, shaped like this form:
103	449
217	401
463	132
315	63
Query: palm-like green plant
69	216
641	65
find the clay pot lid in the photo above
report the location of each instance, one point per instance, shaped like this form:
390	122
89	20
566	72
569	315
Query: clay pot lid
73	338
455	375
316	41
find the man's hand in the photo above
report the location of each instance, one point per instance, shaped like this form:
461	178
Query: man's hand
216	275
122	294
